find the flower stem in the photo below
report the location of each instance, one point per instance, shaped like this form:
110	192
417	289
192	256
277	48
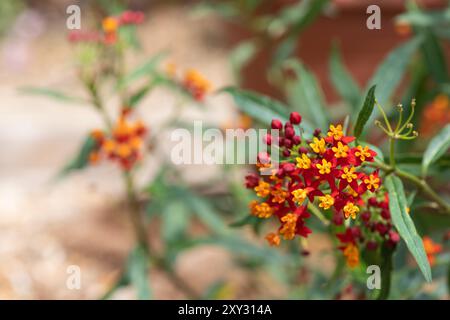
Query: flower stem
318	213
421	184
135	212
392	151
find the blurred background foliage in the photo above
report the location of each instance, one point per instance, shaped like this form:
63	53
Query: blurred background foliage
276	52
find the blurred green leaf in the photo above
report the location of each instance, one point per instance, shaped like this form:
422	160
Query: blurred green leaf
436	148
300	15
343	81
430	18
434	57
145	69
259	107
206	213
248	219
51	93
386	272
391	70
241	55
82	158
305	96
137	271
128	34
365	112
404	224
175	219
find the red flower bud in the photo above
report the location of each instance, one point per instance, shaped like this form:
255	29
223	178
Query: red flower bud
373	202
381	228
268	139
394	236
317	132
302	150
289	132
295	118
264	158
288	167
296	140
286	153
371	245
276	124
288	143
251	180
365	216
386	214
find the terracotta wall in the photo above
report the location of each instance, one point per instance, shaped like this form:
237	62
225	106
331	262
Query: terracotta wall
362	49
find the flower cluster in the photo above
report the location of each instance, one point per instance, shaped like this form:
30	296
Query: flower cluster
110	26
431	249
123	145
436	115
326	169
192	81
372	230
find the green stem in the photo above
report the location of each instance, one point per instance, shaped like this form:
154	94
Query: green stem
135	213
392	151
421	185
318	213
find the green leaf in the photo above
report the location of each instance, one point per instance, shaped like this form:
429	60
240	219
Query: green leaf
386	272
305	95
206	213
241	55
128	34
365	112
259	107
51	93
390	72
436	148
144	69
248	219
434	57
404	224
342	80
82	158
175	218
137	271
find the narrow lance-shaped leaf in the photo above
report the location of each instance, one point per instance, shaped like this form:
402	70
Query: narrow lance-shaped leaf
390	72
146	68
137	271
82	158
404	224
51	93
434	57
174	221
259	106
263	108
241	55
305	95
343	81
436	148
365	112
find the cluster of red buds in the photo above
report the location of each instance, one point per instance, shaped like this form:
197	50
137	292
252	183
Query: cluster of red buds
110	25
192	81
326	169
123	145
373	229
